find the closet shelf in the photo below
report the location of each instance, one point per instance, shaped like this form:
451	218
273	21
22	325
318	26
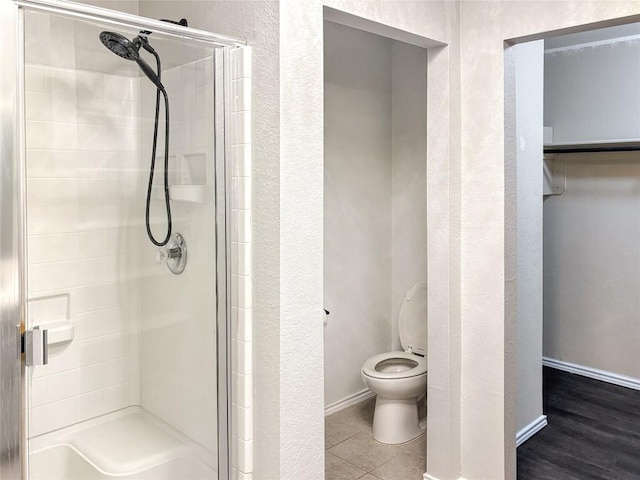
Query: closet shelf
614	145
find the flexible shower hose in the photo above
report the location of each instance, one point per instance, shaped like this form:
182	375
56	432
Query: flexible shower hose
153	161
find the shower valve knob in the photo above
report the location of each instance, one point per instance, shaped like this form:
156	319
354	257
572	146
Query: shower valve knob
164	254
174	255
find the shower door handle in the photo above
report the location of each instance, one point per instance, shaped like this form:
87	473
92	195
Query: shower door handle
35	345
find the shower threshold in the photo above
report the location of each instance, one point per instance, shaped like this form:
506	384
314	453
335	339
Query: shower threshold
127	444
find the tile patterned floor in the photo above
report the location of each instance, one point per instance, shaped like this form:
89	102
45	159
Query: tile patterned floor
351	452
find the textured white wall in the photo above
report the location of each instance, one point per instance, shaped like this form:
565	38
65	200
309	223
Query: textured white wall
591	92
408	175
357	205
529	93
301	188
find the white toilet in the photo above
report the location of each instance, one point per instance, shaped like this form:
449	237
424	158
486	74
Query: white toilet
399	379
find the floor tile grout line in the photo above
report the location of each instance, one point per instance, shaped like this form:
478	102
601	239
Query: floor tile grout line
369	473
342	441
351	413
357	466
353	465
380	466
390	460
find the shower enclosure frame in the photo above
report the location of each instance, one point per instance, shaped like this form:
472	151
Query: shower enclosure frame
13	264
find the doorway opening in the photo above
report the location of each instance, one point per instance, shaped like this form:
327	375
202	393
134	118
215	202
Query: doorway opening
375	254
577	150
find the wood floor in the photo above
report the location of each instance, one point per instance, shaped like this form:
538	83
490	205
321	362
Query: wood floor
593	432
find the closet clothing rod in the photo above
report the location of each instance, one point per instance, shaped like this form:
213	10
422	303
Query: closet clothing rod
619	148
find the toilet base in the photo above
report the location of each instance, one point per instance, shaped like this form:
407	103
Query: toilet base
396	421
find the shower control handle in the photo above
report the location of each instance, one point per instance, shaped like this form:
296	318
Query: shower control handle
164	254
174	255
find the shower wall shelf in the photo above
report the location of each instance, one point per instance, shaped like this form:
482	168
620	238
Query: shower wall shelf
52	313
59	331
183	193
187	193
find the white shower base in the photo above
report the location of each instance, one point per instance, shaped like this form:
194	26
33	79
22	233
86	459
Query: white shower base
127	444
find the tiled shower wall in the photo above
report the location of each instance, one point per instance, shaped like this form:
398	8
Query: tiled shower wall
176	311
88	253
82	175
178	340
241	267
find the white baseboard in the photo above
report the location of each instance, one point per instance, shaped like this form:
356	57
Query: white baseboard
602	375
522	436
530	430
358	397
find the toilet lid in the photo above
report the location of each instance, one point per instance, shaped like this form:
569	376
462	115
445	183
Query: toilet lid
413	319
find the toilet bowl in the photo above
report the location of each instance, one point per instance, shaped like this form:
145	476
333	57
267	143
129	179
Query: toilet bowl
399	379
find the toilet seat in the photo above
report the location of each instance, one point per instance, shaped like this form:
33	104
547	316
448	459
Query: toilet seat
399	379
405	365
412	321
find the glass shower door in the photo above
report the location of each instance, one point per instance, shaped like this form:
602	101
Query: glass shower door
130	388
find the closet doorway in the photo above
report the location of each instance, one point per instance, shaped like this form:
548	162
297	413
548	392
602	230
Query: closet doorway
578	254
